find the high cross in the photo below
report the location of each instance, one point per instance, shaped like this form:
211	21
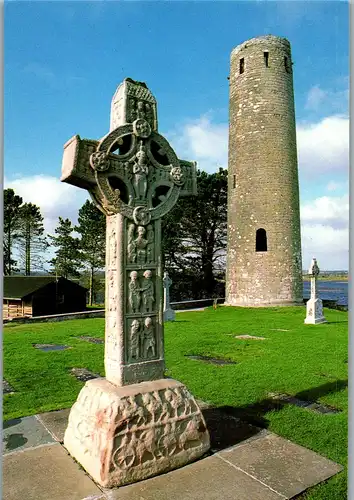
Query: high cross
135	178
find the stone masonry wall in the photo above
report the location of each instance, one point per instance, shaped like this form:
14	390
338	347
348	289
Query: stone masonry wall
263	189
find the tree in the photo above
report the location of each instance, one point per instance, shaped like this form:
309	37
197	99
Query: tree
92	228
195	234
12	204
66	262
31	240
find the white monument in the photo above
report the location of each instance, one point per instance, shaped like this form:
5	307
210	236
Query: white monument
134	423
314	309
168	313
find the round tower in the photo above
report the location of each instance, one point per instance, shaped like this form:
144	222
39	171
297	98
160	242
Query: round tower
264	265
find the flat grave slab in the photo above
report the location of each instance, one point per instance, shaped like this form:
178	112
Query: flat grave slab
92	340
51	347
279	330
249	337
7	388
83	374
308	405
22	433
286	467
46	472
210	359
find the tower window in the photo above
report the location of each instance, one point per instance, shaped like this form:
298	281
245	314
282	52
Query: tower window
286	64
261	240
234	182
266	59
242	65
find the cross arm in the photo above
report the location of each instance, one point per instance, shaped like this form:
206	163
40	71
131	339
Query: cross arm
76	169
190	185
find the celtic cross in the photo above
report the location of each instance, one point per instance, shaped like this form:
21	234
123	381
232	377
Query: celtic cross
135	178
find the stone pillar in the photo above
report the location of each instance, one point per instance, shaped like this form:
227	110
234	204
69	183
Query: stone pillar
168	313
134	423
314	309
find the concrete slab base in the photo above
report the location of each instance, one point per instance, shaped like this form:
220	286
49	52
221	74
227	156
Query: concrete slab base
248	463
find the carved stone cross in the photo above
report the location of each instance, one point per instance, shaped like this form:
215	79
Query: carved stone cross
133	423
169	314
133	176
314	309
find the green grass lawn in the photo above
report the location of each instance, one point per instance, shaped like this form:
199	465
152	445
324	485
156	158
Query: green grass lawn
307	361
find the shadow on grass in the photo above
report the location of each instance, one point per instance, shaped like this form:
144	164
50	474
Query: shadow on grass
229	425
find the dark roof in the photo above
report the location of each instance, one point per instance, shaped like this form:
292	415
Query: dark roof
17	287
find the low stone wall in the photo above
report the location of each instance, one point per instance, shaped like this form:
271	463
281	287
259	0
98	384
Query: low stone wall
177	306
100	313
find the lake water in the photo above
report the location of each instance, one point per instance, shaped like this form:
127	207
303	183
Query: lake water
330	290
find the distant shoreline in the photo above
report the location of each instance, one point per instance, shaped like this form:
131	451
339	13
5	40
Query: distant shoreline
332	277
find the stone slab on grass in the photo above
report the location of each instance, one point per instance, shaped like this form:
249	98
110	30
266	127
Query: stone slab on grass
21	433
210	478
92	340
249	337
55	422
45	472
83	374
286	467
308	405
7	388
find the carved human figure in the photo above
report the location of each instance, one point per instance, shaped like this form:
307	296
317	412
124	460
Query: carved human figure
140	244
148	292
151	244
141	110
135	339
149	338
140	171
134	293
131	248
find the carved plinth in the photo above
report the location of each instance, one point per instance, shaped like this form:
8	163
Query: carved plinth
314	312
121	435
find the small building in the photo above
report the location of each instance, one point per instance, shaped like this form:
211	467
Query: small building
41	296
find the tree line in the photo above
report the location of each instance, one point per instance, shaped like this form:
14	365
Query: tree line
193	242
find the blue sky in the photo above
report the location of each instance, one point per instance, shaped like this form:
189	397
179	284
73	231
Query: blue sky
64	60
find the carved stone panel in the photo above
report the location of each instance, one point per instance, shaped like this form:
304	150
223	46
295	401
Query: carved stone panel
156	426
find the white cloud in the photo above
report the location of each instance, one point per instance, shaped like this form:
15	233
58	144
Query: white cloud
323	147
53	197
327	210
202	141
329	101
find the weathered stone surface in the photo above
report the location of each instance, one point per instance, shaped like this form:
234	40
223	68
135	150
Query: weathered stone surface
22	433
124	434
51	347
45	472
135	178
55	422
263	191
92	340
314	307
308	405
286	467
168	313
210	359
83	374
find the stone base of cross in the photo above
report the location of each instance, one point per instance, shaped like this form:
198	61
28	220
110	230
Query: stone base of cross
134	423
314	308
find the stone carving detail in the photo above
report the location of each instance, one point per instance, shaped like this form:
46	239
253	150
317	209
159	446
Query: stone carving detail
133	424
142	339
314	305
148	292
141	293
140	245
151	430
